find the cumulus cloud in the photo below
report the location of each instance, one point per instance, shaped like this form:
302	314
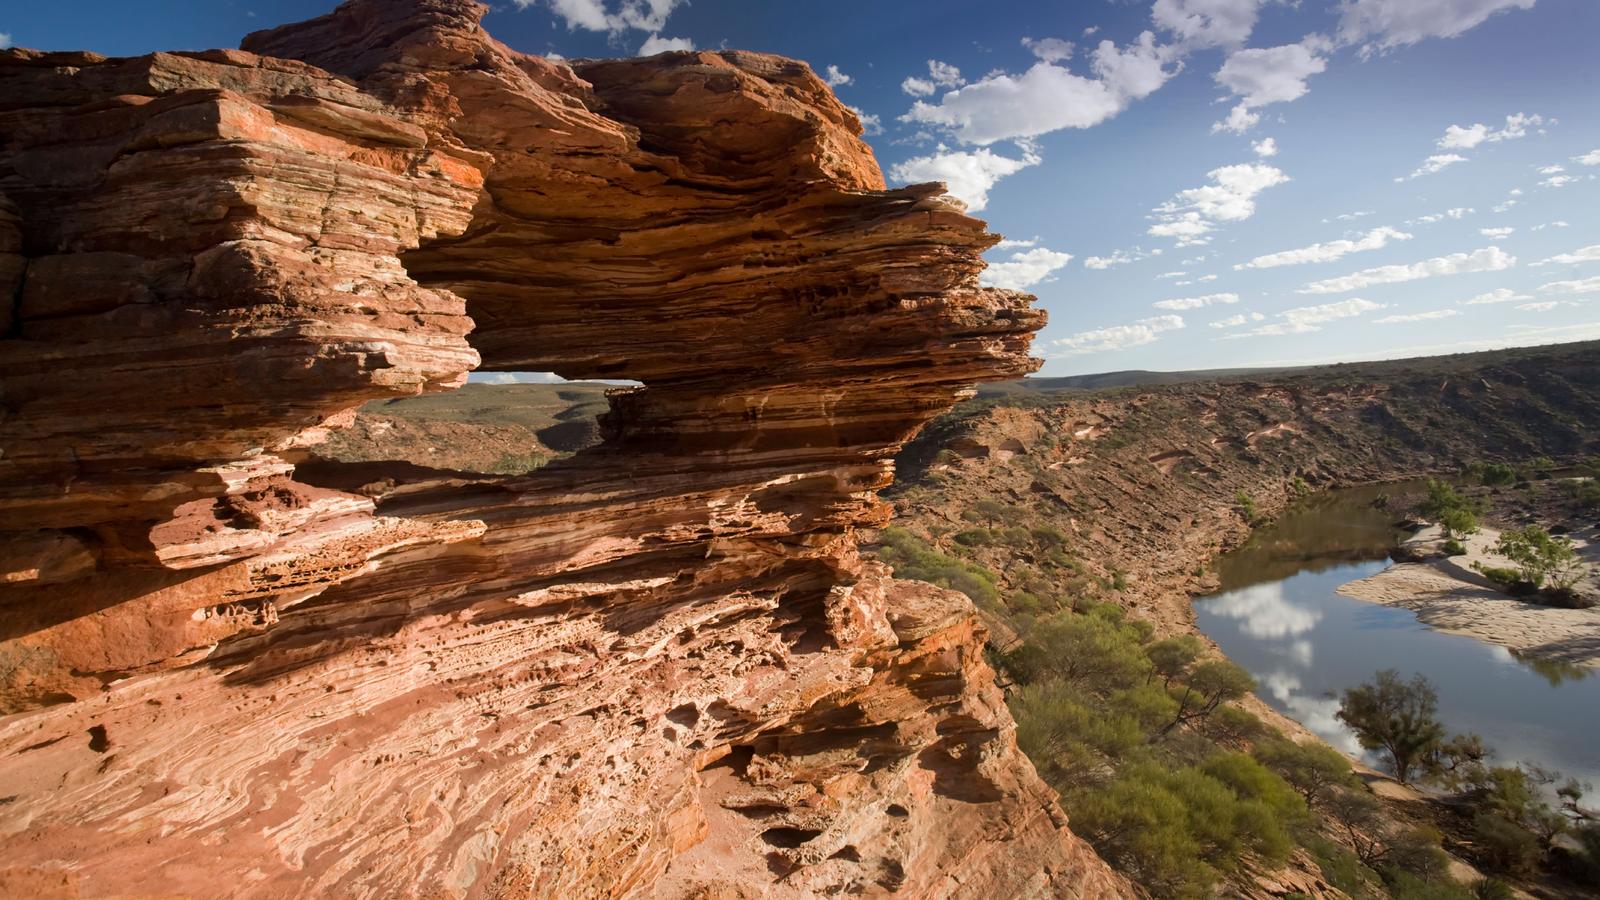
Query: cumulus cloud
968	174
1117	337
1581	286
1489	259
1498	295
1546	305
1190	215
1050	49
1262	76
1436	163
1417	317
593	15
870	123
1556	181
1497	233
918	87
1559	223
1376	239
1265	148
835	78
1008	243
1304	319
1207	23
1240	319
1581	255
1592	158
1457	137
1182	303
1024	269
944	75
655	43
1387	24
1047	97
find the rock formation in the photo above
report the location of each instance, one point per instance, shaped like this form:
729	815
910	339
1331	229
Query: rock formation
658	668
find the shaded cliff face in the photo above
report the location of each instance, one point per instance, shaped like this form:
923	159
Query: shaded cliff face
655	668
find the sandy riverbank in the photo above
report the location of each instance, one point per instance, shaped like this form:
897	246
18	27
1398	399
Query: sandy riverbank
1446	593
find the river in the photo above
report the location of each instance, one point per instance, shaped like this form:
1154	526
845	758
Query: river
1279	615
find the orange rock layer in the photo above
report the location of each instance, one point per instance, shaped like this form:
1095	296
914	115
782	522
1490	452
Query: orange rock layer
658	668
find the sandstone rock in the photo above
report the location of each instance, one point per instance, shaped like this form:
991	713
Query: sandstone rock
657	668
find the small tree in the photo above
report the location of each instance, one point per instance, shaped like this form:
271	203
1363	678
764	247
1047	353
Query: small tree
1173	656
1313	768
1395	716
1210	684
1458	523
1542	558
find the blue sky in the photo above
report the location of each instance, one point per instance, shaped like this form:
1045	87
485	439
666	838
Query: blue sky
1333	179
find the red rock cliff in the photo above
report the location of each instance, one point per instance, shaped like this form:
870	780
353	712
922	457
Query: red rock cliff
656	669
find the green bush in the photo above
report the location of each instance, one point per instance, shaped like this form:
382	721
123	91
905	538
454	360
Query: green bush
1314	769
1495	474
974	537
1454	547
1543	559
913	559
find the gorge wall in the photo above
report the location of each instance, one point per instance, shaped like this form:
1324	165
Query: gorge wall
657	668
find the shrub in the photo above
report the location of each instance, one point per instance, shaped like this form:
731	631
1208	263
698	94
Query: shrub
1496	474
1504	844
1454	547
1089	652
1459	523
1541	558
1208	686
1171	657
913	559
1246	505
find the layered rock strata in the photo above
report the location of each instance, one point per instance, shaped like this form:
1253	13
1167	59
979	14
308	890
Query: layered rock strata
657	668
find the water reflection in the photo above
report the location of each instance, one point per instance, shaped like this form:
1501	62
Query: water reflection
1280	616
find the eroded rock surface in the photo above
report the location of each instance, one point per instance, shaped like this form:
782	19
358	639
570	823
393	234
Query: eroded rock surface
658	668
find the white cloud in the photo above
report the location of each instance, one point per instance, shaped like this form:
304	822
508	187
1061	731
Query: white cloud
1556	181
1240	119
1436	163
1386	24
918	87
1240	319
655	43
870	123
1050	49
1498	295
1117	337
968	174
1496	233
1261	76
1047	97
592	15
1455	213
1583	286
836	78
1119	258
1305	319
1581	255
1489	259
1376	239
5	40
1359	214
1024	269
1265	148
1559	223
1008	243
1592	158
1552	170
1189	216
1457	137
1207	23
1182	303
1417	317
944	75
1503	207
1546	305
1171	275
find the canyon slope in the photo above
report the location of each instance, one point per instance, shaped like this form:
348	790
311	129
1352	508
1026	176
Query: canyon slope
658	667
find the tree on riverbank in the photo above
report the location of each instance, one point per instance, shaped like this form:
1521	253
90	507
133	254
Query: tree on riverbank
1397	717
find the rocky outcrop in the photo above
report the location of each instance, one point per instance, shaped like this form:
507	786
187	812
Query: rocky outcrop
657	668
